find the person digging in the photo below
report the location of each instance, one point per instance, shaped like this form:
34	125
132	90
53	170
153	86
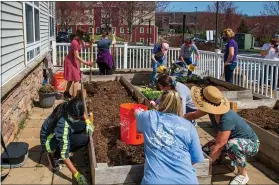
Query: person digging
64	131
235	137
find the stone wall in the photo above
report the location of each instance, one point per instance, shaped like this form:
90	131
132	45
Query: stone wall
19	102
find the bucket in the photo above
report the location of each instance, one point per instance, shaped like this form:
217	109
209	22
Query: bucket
59	82
128	125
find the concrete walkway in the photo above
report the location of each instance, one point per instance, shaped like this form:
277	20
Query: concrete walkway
35	170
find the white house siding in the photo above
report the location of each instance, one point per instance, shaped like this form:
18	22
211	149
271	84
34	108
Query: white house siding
12	42
14	47
44	28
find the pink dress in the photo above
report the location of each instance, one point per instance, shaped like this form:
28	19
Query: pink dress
71	64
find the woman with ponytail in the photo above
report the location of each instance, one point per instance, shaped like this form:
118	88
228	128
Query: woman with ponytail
165	82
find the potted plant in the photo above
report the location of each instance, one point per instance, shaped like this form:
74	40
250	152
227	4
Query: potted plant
47	96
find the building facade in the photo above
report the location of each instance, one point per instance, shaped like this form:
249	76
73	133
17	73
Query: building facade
109	18
27	32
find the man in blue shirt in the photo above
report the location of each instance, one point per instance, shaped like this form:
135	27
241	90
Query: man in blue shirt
158	58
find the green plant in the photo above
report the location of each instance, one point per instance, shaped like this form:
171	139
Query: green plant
47	89
189	79
150	94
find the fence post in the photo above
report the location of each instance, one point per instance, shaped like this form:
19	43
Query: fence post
54	59
125	55
217	63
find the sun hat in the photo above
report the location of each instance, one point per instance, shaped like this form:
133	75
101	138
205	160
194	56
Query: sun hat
210	100
165	47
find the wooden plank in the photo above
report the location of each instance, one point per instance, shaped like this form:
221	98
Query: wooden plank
268	161
205	179
253	104
226	84
233	106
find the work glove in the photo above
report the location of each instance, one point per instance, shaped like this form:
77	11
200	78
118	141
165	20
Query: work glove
89	128
81	180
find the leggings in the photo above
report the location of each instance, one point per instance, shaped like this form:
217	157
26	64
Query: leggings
237	149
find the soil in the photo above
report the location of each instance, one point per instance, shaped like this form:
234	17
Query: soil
119	72
104	103
264	117
203	84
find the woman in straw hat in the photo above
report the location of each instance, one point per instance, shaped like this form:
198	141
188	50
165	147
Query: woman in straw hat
171	144
235	137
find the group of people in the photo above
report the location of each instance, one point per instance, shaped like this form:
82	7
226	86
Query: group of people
172	143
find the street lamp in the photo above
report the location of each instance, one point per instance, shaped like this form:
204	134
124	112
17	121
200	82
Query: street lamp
217	24
196	21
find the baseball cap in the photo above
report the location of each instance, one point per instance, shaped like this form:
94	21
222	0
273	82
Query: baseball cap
165	48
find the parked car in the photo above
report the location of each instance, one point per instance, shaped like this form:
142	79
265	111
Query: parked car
199	40
62	37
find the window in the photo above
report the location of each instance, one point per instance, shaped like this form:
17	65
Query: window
90	20
121	30
97	30
70	30
148	30
142	40
32	29
113	29
90	30
141	29
51	19
149	40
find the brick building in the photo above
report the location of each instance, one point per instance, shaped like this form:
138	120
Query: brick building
116	24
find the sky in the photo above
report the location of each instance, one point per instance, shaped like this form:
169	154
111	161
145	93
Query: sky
250	8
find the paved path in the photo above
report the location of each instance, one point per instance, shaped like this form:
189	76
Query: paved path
35	170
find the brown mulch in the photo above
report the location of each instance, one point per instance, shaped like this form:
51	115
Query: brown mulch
221	88
105	104
264	117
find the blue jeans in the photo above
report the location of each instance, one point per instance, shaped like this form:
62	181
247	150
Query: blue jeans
229	72
188	62
154	72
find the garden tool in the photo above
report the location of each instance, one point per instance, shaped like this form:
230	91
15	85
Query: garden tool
92	49
113	48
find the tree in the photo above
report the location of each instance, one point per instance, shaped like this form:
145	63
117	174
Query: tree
243	28
272	8
135	13
72	13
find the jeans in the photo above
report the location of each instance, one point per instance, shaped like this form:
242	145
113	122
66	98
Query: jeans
229	72
155	65
104	69
188	62
237	149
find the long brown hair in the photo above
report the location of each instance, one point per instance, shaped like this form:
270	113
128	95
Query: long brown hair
166	81
80	32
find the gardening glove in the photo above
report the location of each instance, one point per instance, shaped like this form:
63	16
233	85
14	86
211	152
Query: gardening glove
81	180
89	127
137	108
153	103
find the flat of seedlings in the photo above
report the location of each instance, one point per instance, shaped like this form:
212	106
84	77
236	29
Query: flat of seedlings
265	117
105	102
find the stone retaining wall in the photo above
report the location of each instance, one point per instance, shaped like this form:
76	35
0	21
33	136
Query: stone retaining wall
18	103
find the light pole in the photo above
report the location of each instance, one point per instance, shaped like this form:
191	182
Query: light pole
217	24
196	21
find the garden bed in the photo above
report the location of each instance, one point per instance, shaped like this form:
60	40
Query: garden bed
112	161
264	121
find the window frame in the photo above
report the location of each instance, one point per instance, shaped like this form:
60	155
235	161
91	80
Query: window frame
141	29
50	19
113	29
122	28
90	29
98	30
31	47
141	38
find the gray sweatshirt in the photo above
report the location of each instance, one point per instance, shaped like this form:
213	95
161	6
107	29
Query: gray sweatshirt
187	52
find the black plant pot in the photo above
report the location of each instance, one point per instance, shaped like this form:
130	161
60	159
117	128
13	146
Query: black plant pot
47	99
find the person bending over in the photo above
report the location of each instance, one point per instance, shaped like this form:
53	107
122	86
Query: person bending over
235	137
64	131
171	143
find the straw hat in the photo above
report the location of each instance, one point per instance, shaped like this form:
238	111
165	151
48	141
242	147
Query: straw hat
210	100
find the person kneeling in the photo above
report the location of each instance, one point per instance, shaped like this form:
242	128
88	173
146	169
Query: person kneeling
171	143
64	132
235	137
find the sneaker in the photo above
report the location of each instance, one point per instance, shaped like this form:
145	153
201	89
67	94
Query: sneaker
240	179
54	163
67	95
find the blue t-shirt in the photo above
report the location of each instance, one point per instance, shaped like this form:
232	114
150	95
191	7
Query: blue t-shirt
171	145
104	44
231	121
231	43
159	55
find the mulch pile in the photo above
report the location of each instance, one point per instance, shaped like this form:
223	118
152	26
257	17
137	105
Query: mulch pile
264	117
105	104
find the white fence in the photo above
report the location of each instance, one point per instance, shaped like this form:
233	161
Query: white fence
259	75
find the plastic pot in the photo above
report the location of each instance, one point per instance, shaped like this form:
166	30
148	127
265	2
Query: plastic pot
47	99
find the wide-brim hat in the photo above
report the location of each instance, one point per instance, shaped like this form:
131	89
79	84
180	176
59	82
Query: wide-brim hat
210	100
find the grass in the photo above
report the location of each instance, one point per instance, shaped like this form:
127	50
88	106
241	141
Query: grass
21	125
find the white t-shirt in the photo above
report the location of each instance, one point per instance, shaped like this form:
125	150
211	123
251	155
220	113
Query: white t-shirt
266	46
272	55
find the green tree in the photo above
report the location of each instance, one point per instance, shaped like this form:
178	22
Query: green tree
243	27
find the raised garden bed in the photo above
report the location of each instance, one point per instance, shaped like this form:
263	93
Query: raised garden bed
265	122
112	161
